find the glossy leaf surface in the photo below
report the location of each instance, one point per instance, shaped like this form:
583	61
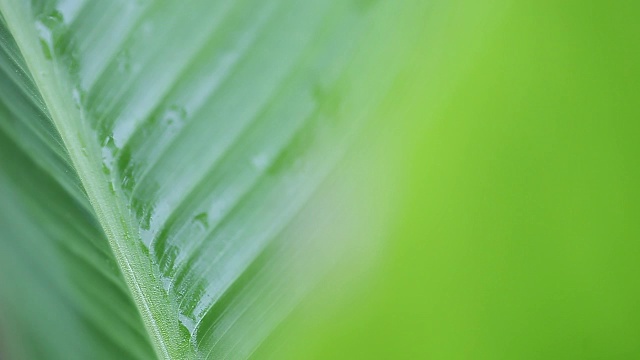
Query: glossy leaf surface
165	151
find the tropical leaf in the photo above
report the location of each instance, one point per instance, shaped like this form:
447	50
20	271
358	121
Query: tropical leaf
156	157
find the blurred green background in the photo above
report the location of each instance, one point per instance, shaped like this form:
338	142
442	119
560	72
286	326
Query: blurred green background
519	238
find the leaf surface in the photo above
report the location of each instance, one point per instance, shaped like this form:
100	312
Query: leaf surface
178	143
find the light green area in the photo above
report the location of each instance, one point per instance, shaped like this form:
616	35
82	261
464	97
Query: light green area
520	237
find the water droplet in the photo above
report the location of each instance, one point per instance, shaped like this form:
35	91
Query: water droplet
46	40
108	154
145	220
106	169
77	96
188	322
127	167
260	161
146	236
125	181
47	27
172	119
123	60
202	220
166	283
112	187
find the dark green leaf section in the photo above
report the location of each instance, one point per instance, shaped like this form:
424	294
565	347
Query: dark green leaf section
61	294
26	119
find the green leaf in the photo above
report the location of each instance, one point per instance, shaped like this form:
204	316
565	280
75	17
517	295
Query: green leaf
157	157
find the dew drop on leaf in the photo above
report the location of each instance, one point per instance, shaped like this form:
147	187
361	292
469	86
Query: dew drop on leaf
260	161
201	220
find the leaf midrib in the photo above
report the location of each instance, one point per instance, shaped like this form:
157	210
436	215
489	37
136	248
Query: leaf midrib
158	312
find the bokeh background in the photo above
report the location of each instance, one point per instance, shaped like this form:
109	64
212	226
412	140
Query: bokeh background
516	134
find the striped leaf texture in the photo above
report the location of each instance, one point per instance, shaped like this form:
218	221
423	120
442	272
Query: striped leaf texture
160	161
